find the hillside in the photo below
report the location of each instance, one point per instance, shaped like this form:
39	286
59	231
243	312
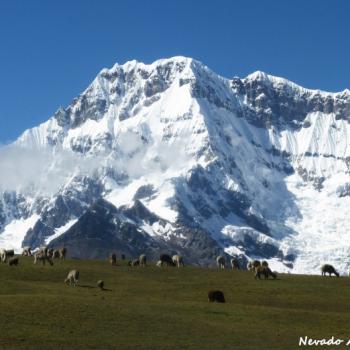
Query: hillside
153	308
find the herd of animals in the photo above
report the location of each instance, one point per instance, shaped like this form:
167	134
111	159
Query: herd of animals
45	254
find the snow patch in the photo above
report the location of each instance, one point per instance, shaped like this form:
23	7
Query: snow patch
13	234
60	230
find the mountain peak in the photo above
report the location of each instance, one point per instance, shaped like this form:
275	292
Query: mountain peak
242	160
132	64
266	78
258	75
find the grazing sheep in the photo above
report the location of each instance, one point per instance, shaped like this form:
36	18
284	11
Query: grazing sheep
63	252
235	264
142	260
13	261
100	284
38	256
10	253
328	269
44	250
72	278
50	252
252	265
159	263
113	259
265	271
41	255
260	271
135	262
216	295
27	251
178	261
2	255
166	259
264	263
56	254
220	261
5	254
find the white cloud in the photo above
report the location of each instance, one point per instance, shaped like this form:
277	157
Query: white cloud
24	169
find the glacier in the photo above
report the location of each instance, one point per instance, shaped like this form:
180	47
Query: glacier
171	156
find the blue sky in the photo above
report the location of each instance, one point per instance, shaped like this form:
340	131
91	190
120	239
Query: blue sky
51	50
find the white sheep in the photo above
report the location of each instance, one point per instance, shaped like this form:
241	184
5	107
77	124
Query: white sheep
178	261
27	251
63	253
2	255
72	278
142	260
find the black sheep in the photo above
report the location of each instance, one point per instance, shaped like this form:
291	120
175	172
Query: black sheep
216	296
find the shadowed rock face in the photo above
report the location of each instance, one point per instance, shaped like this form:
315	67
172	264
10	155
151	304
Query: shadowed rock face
280	105
104	229
90	105
71	202
344	190
12	206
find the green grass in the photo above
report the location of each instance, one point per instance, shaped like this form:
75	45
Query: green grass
152	308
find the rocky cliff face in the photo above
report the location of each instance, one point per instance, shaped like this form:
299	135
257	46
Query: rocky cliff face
171	156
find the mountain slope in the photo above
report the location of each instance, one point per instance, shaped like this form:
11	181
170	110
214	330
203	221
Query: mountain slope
254	167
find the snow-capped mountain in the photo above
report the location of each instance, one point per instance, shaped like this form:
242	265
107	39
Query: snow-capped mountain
173	157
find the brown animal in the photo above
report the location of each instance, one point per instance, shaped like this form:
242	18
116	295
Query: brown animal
56	254
50	252
221	262
253	264
13	262
63	252
264	271
10	253
44	250
41	255
166	259
328	269
142	260
216	296
27	251
235	264
113	259
264	263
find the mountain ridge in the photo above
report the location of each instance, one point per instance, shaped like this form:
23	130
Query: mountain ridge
231	158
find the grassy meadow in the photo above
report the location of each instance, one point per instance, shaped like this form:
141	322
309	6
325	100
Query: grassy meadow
165	308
